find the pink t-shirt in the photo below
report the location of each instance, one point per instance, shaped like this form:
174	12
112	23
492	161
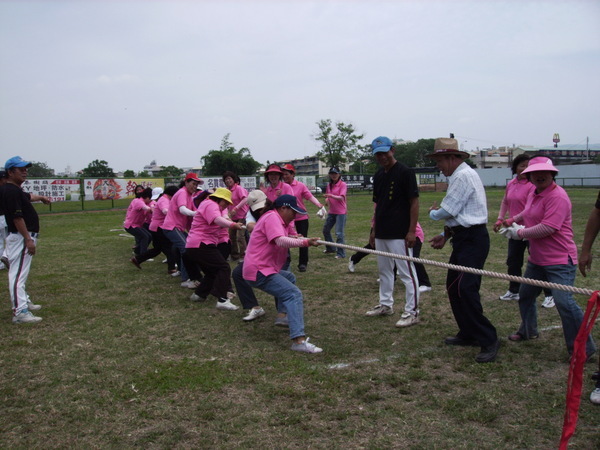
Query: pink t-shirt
551	207
174	218
281	189
301	192
337	206
517	193
204	230
238	193
263	254
419	232
158	216
136	214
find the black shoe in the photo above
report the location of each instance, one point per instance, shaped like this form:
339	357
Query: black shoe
455	340
488	354
302	268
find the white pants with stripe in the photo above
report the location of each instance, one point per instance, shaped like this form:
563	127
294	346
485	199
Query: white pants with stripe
406	273
20	263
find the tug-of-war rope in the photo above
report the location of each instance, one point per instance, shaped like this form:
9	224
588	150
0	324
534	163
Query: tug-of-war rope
578	359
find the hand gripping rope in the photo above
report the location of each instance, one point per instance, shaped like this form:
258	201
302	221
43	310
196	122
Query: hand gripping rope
575	380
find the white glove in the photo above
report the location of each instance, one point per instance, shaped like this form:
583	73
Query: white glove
512	232
322	213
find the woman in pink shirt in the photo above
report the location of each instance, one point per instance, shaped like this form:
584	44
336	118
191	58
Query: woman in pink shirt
266	253
517	192
552	252
135	217
202	249
274	183
160	243
178	221
237	213
301	193
335	195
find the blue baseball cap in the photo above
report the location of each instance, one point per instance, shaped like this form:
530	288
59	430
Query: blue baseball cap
381	144
289	201
16	161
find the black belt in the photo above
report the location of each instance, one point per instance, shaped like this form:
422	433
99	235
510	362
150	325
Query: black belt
451	231
31	233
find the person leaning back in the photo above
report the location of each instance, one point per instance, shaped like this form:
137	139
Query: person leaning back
464	210
23	230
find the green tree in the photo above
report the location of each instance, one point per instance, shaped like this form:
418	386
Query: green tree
98	169
170	171
129	174
337	147
413	154
228	158
364	162
144	174
39	169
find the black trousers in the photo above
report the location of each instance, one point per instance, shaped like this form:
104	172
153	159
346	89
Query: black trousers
470	248
217	272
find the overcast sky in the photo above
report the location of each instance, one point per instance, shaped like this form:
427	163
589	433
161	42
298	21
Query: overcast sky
133	81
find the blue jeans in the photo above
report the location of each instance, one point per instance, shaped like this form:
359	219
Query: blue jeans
339	220
283	287
178	238
570	313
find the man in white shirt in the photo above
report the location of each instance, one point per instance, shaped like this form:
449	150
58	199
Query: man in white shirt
464	210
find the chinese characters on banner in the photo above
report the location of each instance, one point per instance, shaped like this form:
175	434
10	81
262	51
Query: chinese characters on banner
58	190
248	183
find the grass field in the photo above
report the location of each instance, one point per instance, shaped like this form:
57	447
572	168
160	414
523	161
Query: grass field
123	359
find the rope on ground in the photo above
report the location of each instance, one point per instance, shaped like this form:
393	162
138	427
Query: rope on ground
530	281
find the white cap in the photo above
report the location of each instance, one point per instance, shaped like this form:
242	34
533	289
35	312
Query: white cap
156	193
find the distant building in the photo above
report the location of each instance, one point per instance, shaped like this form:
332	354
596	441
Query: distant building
311	165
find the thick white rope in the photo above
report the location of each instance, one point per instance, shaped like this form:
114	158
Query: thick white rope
543	284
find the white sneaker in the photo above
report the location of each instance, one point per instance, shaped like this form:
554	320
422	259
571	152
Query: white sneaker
306	347
407	319
196	298
175	274
595	396
509	296
254	313
380	310
190	284
424	289
33	307
227	305
548	302
351	266
164	261
25	316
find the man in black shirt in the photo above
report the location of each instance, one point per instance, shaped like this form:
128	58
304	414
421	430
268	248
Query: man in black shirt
23	229
396	198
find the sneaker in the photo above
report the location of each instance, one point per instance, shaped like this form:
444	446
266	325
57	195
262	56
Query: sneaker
164	261
25	316
32	306
328	251
226	305
4	260
548	302
489	353
509	296
190	284
196	298
302	268
407	319
150	260
595	396
135	262
254	313
306	347
174	273
339	257
282	322
423	289
351	266
380	310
